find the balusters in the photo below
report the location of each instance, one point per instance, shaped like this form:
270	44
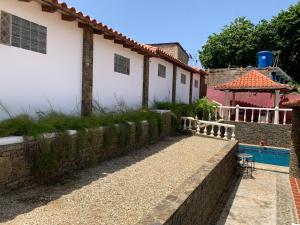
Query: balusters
276	115
267	117
190	124
237	113
198	128
212	132
252	116
233	134
226	133
219	132
184	123
284	117
245	115
205	130
221	113
216	113
259	116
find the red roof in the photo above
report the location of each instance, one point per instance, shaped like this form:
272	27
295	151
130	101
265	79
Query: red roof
253	80
117	36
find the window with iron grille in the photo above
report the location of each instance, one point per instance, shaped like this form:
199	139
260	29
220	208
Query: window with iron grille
196	83
162	71
122	64
183	78
21	33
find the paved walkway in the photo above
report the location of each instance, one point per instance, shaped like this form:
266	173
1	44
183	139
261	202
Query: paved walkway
117	192
295	185
265	199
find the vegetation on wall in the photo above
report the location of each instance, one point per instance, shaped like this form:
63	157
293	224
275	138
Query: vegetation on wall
238	43
201	108
205	108
55	146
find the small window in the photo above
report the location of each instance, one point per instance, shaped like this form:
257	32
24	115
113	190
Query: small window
122	64
161	71
22	33
5	26
183	78
196	83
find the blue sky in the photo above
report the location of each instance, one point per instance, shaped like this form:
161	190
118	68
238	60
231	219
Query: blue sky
189	22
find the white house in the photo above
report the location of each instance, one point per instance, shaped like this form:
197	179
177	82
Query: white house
54	56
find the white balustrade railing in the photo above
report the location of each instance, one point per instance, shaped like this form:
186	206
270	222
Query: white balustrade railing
264	115
209	128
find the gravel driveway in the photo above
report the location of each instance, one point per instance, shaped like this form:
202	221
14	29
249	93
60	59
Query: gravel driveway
117	192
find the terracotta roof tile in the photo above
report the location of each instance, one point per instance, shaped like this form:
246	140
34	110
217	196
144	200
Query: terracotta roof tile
145	49
253	80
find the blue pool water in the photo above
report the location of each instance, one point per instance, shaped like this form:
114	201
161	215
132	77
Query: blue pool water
267	155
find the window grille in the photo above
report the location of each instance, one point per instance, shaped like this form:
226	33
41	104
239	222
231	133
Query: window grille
22	33
161	71
196	84
122	64
183	78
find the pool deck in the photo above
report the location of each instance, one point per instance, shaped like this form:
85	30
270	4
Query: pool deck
264	199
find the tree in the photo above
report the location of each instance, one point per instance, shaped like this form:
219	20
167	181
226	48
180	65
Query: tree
287	39
238	43
234	46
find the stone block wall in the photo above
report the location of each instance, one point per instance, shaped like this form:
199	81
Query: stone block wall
16	160
277	135
201	198
219	76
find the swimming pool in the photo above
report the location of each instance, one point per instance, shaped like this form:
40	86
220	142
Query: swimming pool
267	155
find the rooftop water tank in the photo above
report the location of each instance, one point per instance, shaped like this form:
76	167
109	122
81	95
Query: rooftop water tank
265	59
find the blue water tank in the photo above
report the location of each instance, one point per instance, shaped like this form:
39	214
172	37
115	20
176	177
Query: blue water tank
265	59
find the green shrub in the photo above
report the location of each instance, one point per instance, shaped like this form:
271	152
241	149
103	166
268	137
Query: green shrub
204	107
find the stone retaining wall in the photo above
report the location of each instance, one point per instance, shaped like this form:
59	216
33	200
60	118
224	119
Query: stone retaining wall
277	135
220	76
16	160
201	198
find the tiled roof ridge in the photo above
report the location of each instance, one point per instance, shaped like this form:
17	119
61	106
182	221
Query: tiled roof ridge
154	51
252	80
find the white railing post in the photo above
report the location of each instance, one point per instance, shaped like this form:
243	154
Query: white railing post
205	130
219	132
190	124
284	117
233	134
276	116
237	113
226	133
212	131
184	123
267	117
198	128
216	113
252	116
221	112
259	116
245	115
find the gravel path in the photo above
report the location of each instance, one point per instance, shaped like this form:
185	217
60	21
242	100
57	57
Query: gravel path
117	192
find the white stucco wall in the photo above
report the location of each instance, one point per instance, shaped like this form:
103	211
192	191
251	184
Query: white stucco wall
182	90
160	89
31	81
196	90
111	87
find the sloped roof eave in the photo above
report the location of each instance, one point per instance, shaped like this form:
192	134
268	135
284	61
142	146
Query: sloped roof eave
146	49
